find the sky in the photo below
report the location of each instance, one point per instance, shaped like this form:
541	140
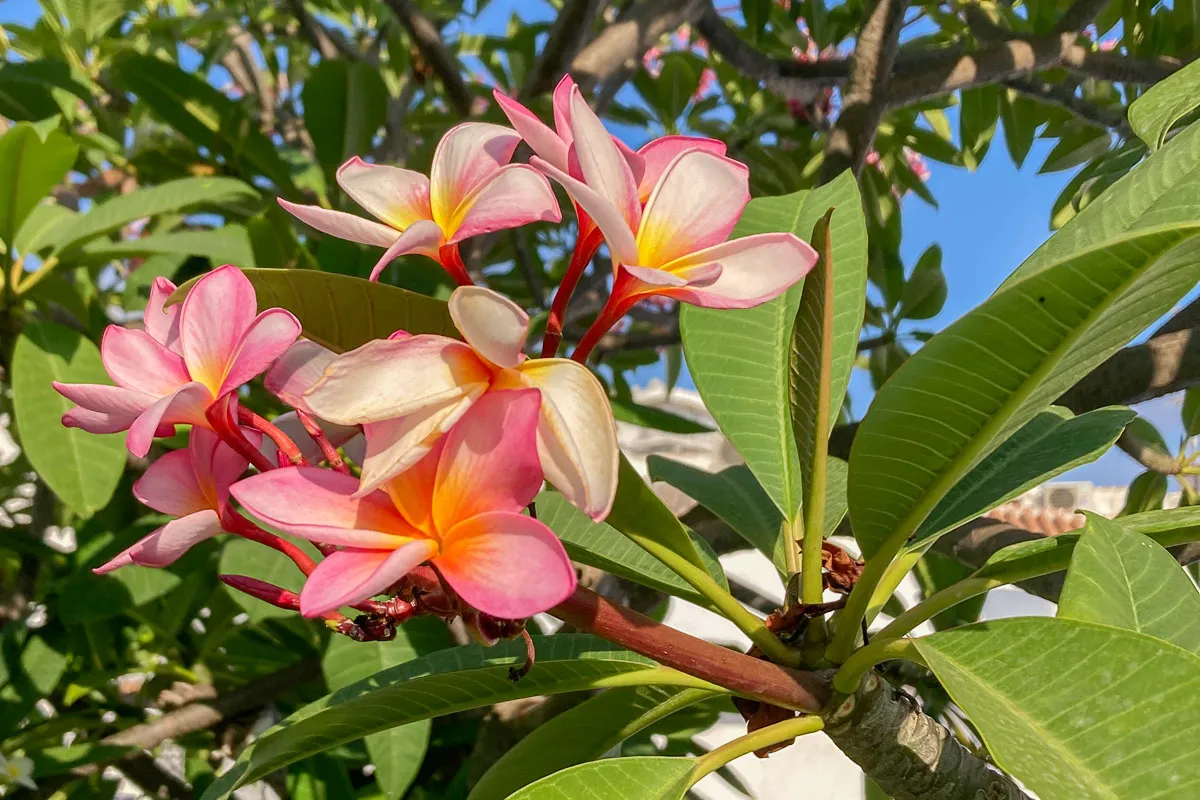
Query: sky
987	222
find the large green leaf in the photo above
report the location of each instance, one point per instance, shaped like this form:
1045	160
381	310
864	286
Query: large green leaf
171	197
345	102
341	312
1129	581
396	753
1165	103
581	734
81	468
848	240
199	111
638	513
228	244
443	683
634	778
29	169
599	545
981	379
1048	445
1075	709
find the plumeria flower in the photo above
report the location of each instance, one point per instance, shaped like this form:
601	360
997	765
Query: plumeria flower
677	245
17	770
191	485
408	391
471	190
288	378
188	357
459	508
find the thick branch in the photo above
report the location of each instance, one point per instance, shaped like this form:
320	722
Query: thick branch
428	39
567	34
1186	317
908	754
1065	97
1080	14
621	45
1148	454
866	93
1162	365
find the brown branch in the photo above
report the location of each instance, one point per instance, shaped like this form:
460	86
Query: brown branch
1080	14
428	40
621	45
1160	366
314	31
1148	454
566	36
1186	317
1065	97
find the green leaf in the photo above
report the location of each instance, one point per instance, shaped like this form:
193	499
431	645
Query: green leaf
977	117
243	557
443	683
29	169
199	111
677	83
341	312
1048	445
42	664
345	103
1129	581
1021	119
1191	412
318	778
1075	147
935	572
925	290
396	753
1146	493
1165	103
657	418
985	376
83	469
228	244
581	734
1118	723
641	515
182	194
633	778
739	359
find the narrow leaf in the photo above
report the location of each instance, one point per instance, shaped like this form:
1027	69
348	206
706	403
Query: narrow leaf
29	169
633	778
1165	103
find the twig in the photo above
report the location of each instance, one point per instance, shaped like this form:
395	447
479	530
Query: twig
1065	97
1080	14
314	31
622	44
428	39
570	28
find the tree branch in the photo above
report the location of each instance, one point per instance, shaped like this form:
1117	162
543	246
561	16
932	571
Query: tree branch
567	34
1148	454
428	40
1064	97
621	45
865	98
1162	365
314	31
1080	14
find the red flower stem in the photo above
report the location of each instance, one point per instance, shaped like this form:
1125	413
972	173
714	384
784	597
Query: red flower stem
624	297
451	260
220	419
282	441
589	241
267	592
741	674
327	449
235	523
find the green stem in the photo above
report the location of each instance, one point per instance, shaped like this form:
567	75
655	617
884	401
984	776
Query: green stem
22	286
763	737
951	596
892	577
851	674
792	532
847	621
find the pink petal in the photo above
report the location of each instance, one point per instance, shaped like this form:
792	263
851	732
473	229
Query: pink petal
163	323
96	421
351	576
165	545
295	372
268	338
604	168
506	564
695	205
422	238
754	269
562	111
319	504
465	157
513	196
184	406
658	153
102	409
577	437
388	379
394	445
544	141
655	277
169	486
612	224
398	197
491	323
341	225
490	462
216	464
216	315
412	491
136	361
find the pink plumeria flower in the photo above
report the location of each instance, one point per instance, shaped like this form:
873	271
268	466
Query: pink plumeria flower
188	357
408	391
459	508
677	245
288	378
192	485
471	190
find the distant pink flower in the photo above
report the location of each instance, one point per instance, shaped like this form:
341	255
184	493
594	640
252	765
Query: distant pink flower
1108	45
472	189
459	508
192	485
873	158
917	164
188	357
707	79
652	61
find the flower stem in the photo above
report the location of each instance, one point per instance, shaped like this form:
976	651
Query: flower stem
851	673
741	674
282	441
220	419
235	523
327	449
451	260
586	246
624	296
756	740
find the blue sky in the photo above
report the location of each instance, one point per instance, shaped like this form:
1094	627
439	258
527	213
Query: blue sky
987	223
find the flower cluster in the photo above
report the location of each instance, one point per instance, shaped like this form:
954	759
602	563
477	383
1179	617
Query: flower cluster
410	462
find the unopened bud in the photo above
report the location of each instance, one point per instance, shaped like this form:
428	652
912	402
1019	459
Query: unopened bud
267	592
